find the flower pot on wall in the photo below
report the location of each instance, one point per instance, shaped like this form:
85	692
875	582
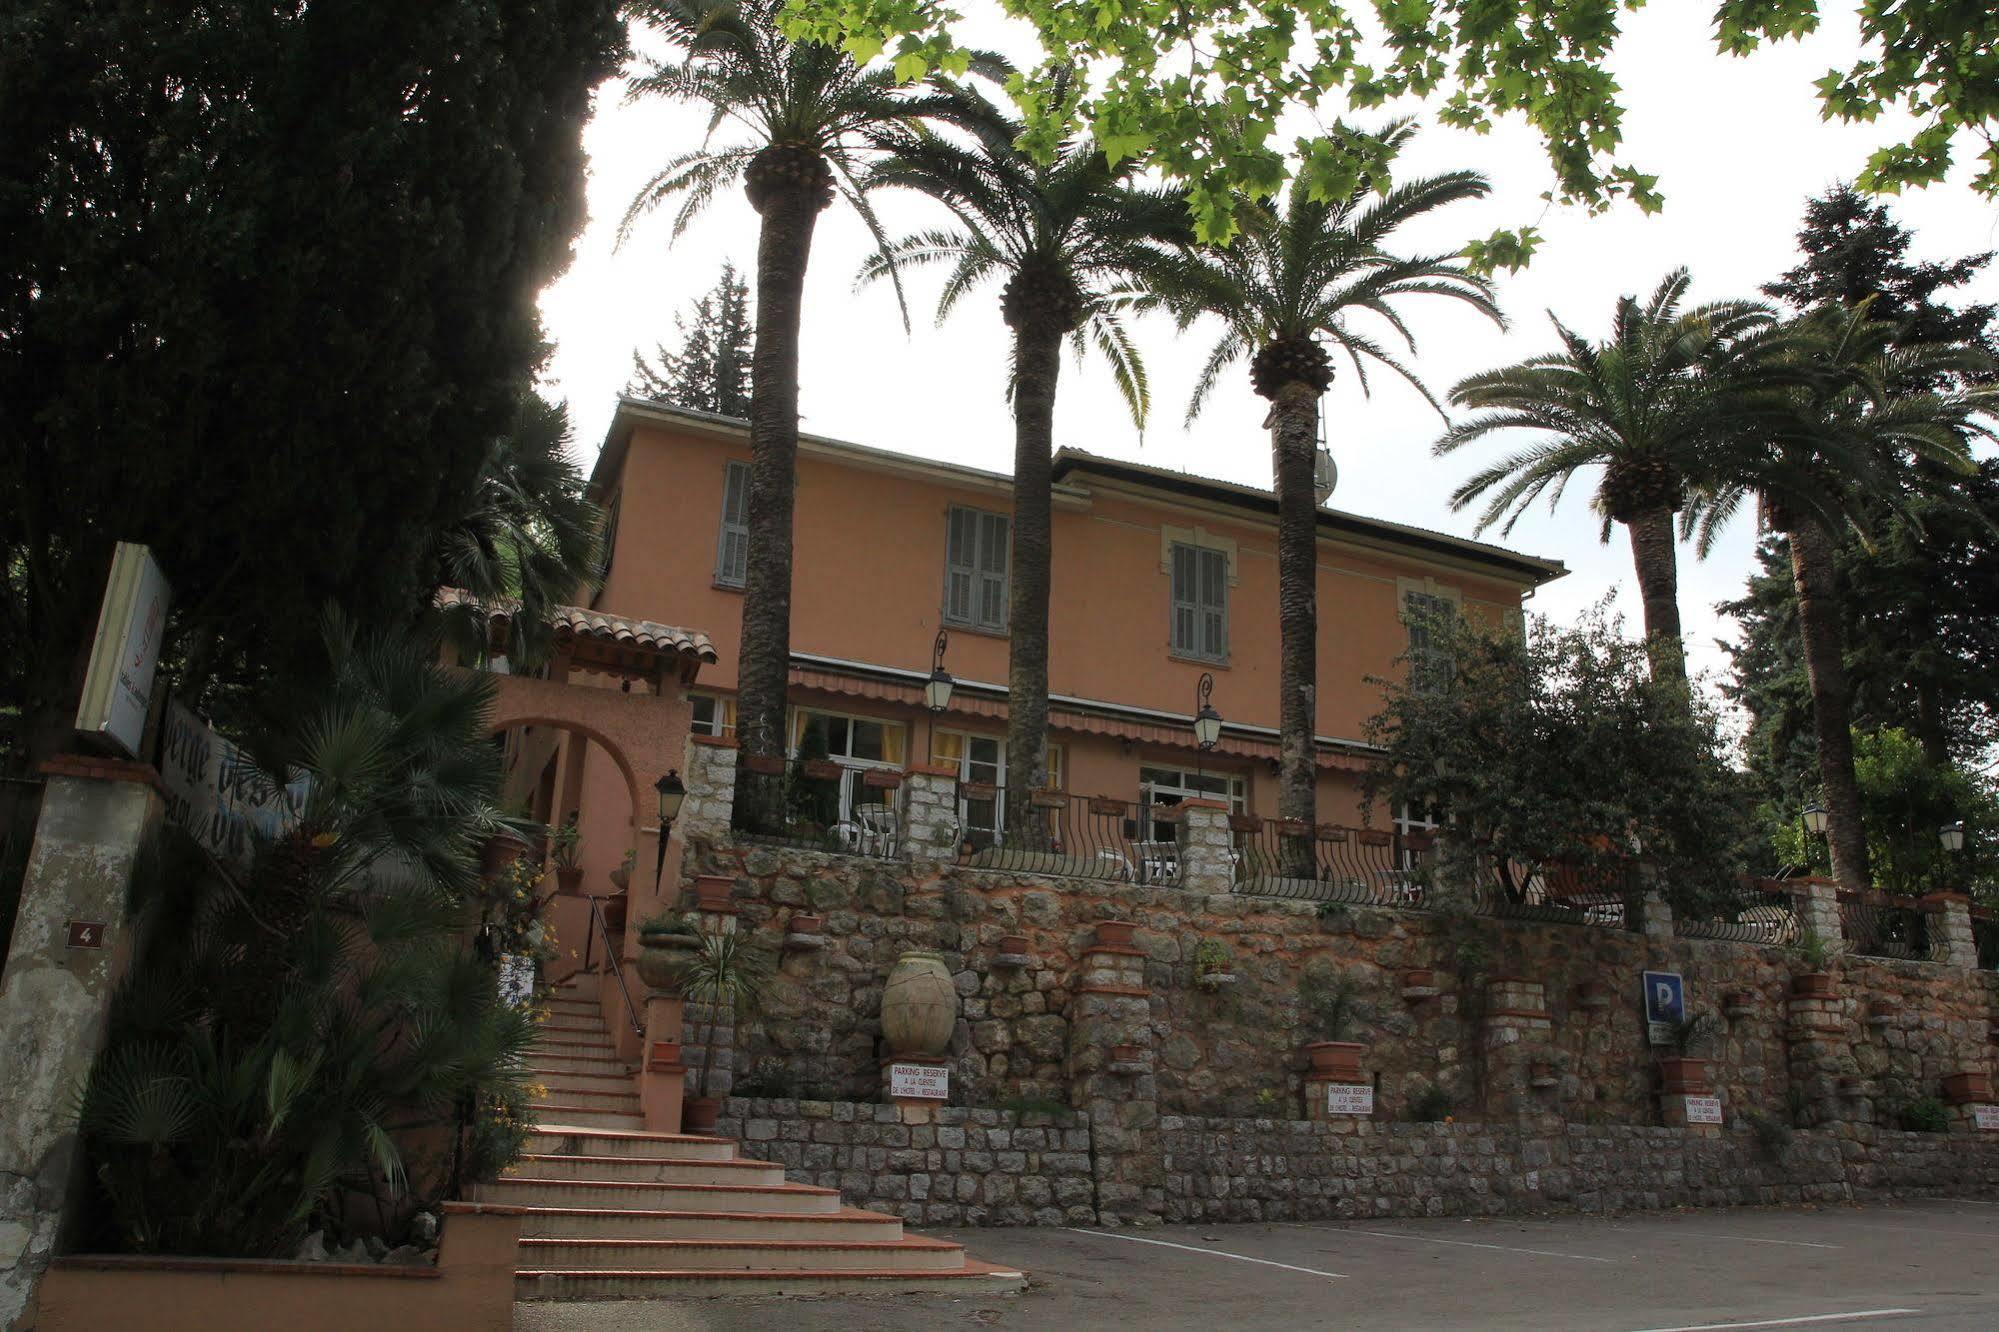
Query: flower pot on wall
502	849
1419	983
663	957
1683	1075
1968	1088
1336	1061
764	765
614	911
1812	985
699	1113
1115	933
1013	945
806	922
1738	1004
712	892
919	1006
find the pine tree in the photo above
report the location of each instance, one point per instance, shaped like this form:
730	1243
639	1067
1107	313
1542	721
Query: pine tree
1920	609
711	371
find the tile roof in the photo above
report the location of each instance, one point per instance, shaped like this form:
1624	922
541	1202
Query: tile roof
618	631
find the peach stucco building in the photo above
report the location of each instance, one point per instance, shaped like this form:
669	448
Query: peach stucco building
1158	577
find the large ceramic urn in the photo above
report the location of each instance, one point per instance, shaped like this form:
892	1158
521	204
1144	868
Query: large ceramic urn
919	1006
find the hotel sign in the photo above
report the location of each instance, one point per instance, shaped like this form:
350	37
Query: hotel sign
919	1082
1349	1098
1703	1109
118	687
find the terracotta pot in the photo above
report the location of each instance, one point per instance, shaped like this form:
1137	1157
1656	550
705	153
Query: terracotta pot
663	958
1683	1075
621	877
1014	944
1968	1088
699	1113
1883	1008
1126	1054
919	1006
1338	1060
713	892
1812	985
500	850
614	912
805	922
822	770
1115	933
764	765
1738	1003
1419	978
568	879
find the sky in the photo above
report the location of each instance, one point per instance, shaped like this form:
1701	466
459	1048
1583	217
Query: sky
1738	146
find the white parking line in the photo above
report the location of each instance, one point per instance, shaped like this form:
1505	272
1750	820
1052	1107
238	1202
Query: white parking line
1468	1244
1677	1232
1212	1253
1928	1230
1854	1317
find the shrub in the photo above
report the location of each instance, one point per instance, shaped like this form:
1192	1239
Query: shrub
1927	1115
1432	1105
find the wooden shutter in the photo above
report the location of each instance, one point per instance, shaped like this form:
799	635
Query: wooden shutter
1213	599
992	571
975	575
961	567
1184	610
732	547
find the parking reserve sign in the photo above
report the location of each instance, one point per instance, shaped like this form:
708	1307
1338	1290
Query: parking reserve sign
1665	1006
1349	1098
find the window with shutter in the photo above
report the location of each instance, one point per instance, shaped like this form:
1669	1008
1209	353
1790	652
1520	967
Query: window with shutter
1200	625
1430	664
975	569
732	547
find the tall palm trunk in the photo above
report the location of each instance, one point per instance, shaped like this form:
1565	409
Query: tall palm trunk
1293	437
784	244
1832	706
1037	351
1655	558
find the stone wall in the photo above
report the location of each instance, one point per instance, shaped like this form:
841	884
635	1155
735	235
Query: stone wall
951	1167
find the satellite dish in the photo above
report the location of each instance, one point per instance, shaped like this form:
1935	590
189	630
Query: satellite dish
1325	475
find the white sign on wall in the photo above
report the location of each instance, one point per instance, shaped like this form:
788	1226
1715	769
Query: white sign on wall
1986	1118
131	622
1703	1109
921	1082
217	794
1349	1098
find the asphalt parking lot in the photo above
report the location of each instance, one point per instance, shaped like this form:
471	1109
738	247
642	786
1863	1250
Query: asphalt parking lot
1931	1264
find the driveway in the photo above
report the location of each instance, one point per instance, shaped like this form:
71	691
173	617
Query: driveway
1931	1264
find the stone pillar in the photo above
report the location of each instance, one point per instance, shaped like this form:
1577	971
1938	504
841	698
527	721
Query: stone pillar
663	1074
1112	1079
1518	1033
1818	902
68	950
1819	1051
713	912
930	815
711	788
1951	940
1205	864
1655	916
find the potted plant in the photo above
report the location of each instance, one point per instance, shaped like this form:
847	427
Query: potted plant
1970	1087
808	919
1213	969
1815	981
1333	1013
621	877
725	974
666	944
1013	951
503	846
565	847
1684	1072
1115	933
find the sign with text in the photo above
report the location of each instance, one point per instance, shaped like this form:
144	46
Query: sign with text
1665	1006
1985	1118
919	1082
131	622
216	794
1349	1098
84	933
1703	1109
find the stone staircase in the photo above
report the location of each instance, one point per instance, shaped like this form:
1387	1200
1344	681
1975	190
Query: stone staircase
614	1212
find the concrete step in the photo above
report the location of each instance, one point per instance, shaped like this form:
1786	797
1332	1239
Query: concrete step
974	1278
660	1146
573	1028
547	1049
910	1253
536	1191
567	1114
651	1170
561	1081
543	1062
589	1223
624	1100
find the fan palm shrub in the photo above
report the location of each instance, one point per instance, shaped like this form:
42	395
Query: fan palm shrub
1057	235
808	116
1298	278
1644	405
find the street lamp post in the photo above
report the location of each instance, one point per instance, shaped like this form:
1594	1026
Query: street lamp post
1207	722
1813	820
672	794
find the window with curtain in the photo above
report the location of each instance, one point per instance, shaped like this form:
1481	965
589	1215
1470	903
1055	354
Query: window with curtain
975	556
713	715
732	546
1430	664
1200	603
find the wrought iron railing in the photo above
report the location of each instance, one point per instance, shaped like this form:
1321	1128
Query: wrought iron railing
1605	895
1878	925
1985	934
1745	910
1329	863
819	805
600	930
1081	837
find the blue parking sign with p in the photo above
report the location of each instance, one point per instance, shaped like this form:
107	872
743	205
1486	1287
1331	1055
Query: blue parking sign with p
1665	1005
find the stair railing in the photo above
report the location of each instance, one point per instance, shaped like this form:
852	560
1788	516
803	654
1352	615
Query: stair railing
599	927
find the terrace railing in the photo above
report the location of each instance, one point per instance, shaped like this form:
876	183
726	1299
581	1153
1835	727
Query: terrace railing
1078	837
819	805
1329	863
1747	910
1879	925
1985	935
1607	896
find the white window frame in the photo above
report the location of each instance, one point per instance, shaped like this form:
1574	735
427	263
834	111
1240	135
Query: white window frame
1200	614
1057	762
733	529
721	724
851	768
1148	789
1423	590
1407	820
987	589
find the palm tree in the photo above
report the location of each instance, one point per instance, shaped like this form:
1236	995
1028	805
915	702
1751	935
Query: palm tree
1642	405
1855	426
1058	232
1291	278
809	115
